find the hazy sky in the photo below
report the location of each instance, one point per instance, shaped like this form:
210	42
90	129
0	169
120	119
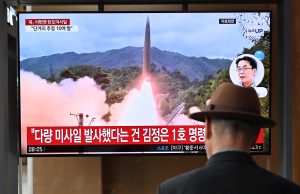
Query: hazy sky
192	34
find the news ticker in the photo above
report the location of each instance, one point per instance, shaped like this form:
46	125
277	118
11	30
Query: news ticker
179	148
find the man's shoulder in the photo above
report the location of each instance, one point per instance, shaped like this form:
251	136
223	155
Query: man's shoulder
228	172
182	177
205	180
281	183
179	183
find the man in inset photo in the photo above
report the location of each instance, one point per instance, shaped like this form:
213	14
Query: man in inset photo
246	68
247	71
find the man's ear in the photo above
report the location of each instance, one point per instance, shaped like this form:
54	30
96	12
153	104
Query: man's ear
208	132
254	70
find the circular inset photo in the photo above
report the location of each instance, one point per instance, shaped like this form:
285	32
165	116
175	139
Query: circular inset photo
247	71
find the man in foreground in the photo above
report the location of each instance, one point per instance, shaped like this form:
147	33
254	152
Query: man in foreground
232	123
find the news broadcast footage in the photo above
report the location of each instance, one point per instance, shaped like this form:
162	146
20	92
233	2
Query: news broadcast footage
125	83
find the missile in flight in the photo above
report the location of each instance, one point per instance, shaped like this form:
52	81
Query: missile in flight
147	49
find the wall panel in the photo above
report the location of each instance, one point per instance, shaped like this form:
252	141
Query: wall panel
295	89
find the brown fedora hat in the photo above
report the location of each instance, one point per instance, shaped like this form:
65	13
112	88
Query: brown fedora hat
231	101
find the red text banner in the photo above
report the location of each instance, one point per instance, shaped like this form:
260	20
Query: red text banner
35	22
115	135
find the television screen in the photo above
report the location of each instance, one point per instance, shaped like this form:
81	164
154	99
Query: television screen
125	83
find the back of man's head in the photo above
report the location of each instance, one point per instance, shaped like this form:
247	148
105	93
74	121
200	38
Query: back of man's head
236	131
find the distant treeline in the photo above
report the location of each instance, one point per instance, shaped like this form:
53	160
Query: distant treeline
174	87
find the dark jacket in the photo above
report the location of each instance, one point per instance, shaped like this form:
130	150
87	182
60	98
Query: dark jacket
231	172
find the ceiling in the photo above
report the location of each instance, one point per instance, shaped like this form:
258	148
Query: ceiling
57	2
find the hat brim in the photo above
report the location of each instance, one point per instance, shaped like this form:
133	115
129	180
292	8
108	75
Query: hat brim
257	119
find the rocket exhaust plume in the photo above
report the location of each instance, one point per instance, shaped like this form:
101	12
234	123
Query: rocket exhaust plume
147	49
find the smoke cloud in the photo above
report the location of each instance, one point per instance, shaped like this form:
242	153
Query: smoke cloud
56	104
50	104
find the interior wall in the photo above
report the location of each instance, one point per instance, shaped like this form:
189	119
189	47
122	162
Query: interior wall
41	8
3	101
295	23
8	106
61	175
142	174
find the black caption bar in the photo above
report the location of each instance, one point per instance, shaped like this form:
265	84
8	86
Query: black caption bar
195	148
117	148
227	21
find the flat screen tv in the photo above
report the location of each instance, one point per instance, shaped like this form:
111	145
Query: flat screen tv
125	83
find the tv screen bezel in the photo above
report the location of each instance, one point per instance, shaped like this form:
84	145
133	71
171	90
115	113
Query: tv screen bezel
268	152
